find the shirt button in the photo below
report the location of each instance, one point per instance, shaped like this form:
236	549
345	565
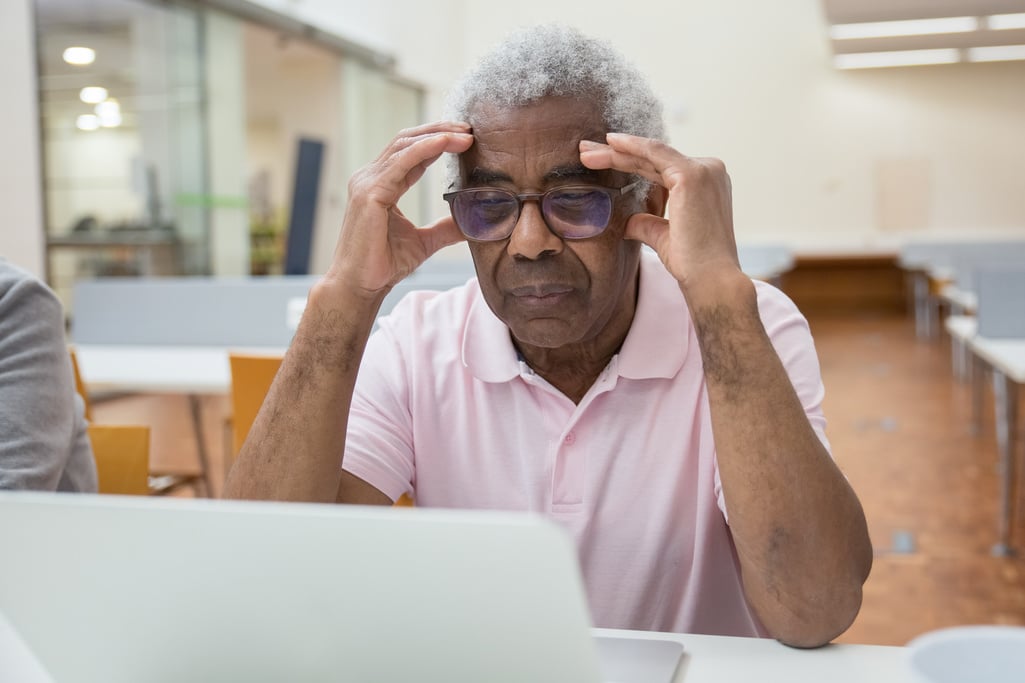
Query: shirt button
570	439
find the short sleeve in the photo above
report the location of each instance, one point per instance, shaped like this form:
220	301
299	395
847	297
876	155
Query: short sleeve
379	437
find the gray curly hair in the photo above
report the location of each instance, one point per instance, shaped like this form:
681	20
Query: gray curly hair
558	60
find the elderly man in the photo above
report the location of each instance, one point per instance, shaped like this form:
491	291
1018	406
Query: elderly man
665	409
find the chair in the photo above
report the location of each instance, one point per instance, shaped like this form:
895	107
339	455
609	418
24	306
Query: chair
251	377
158	483
80	386
122	458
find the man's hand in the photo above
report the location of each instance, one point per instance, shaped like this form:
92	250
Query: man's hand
295	447
696	243
799	529
378	246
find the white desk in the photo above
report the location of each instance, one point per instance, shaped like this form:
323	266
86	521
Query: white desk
193	371
1006	360
721	659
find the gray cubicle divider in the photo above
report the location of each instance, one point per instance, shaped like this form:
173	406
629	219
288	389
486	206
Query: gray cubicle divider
187	311
765	261
1001	296
230	312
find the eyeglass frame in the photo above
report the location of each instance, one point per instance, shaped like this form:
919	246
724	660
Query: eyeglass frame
612	192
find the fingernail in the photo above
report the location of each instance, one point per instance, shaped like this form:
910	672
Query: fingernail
590	144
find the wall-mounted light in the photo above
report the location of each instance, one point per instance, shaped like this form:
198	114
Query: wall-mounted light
80	56
873	60
92	94
87	122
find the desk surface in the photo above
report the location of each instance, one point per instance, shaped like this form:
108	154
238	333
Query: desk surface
711	659
1005	355
159	369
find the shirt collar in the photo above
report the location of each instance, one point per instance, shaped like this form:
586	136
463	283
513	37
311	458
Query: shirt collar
655	346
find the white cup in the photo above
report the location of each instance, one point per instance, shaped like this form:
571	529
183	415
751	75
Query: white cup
969	654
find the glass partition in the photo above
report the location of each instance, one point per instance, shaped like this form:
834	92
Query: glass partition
121	103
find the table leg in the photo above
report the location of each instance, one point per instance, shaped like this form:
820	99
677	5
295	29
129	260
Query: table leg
923	322
1005	399
197	427
978	381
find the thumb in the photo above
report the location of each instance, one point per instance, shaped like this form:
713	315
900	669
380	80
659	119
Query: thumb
441	233
647	228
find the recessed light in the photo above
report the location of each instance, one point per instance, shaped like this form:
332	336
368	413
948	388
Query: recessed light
80	56
872	60
87	122
999	22
910	27
92	94
109	113
996	53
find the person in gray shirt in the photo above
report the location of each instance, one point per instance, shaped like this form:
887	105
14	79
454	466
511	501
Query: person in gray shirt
43	439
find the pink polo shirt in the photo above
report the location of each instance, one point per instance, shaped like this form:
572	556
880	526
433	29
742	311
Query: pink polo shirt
445	411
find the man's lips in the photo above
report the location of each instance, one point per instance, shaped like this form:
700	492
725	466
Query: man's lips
540	292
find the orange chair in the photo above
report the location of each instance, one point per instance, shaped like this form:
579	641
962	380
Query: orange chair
251	377
157	484
122	458
80	386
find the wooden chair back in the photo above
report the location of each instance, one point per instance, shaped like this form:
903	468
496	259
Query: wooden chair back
122	458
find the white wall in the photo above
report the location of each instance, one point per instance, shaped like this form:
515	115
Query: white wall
820	158
21	233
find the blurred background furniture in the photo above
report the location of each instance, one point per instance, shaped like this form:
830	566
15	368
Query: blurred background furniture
122	458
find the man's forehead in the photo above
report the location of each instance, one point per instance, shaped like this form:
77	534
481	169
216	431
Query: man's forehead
546	131
576	113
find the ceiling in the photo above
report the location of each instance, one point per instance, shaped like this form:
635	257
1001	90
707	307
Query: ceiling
861	11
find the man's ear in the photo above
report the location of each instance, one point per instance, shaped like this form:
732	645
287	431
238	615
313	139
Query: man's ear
655	202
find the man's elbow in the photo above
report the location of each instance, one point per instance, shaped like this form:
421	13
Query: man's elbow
820	616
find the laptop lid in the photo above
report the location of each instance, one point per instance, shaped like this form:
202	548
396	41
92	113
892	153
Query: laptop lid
125	589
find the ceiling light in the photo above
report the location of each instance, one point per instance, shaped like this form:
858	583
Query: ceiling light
87	122
911	27
80	56
871	60
107	107
996	53
109	113
111	120
999	22
93	94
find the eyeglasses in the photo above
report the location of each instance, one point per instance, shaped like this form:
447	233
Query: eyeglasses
573	212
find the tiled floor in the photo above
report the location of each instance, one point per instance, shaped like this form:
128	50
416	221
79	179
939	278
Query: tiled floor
900	430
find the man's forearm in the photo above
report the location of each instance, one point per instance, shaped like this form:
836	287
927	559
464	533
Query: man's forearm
798	527
294	449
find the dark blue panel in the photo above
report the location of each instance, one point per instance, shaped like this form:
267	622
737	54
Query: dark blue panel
304	207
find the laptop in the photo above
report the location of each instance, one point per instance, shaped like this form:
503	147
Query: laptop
121	589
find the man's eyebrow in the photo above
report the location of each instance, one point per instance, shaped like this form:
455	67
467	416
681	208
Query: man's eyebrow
571	171
484	176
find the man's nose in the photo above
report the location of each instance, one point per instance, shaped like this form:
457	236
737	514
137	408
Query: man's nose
531	238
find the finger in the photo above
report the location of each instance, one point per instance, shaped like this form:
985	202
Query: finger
647	228
598	156
408	136
390	180
658	154
441	233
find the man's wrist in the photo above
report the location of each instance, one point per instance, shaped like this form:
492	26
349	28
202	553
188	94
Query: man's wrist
718	289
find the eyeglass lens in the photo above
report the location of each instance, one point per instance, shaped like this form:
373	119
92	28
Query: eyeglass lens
572	212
